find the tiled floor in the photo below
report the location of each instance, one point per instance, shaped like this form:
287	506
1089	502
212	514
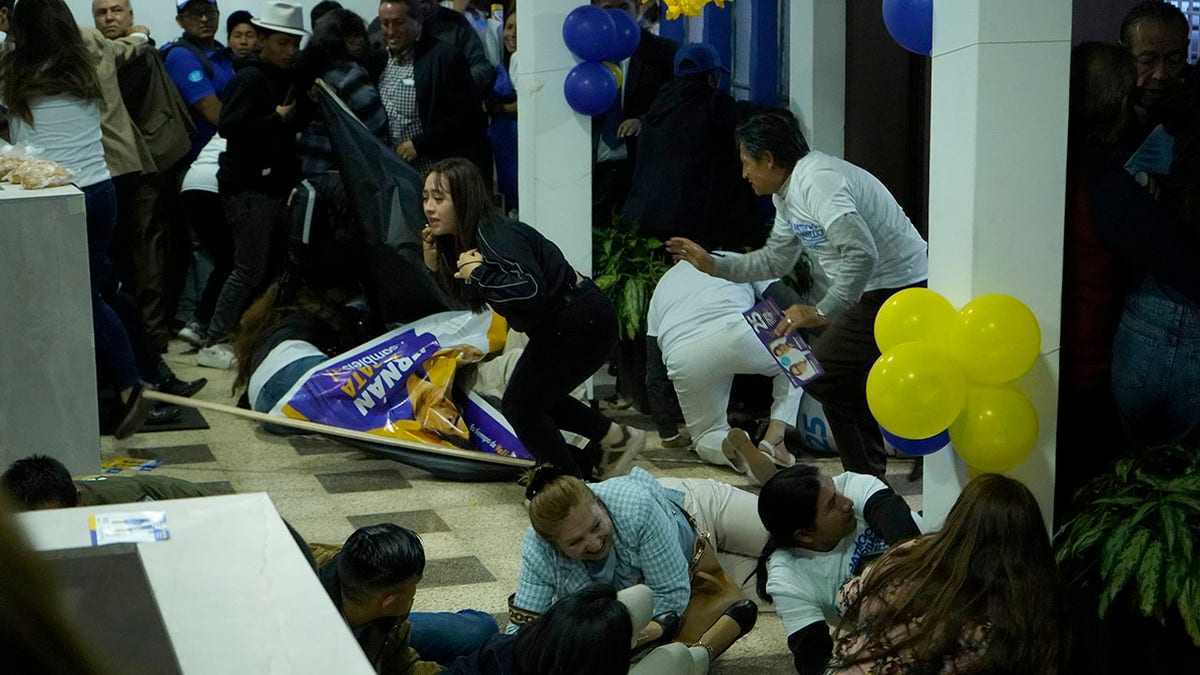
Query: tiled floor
472	531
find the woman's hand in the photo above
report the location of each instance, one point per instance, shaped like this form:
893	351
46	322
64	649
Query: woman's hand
467	262
429	248
686	249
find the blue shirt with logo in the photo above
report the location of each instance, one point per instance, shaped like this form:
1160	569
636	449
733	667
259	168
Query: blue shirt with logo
187	72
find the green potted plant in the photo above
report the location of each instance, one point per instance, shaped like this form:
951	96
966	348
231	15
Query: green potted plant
628	267
1131	554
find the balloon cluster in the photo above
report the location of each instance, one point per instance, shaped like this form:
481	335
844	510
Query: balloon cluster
910	23
946	376
602	38
677	8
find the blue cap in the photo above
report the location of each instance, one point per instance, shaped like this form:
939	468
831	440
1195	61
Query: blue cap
695	58
180	4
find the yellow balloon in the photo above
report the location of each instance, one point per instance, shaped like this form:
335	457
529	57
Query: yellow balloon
911	315
616	71
996	338
915	390
997	429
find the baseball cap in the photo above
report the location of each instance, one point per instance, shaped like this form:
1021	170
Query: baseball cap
180	4
695	58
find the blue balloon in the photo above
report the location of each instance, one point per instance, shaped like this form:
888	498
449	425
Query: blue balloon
590	88
911	24
588	32
627	36
917	446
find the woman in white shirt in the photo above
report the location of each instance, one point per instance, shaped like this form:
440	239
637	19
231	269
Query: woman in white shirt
50	90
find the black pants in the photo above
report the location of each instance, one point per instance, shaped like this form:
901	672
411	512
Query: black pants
206	216
664	402
565	350
846	348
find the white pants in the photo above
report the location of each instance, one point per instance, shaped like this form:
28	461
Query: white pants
672	658
730	517
702	372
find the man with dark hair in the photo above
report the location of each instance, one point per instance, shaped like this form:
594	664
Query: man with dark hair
40	482
372	582
823	531
321	9
6	8
433	108
864	243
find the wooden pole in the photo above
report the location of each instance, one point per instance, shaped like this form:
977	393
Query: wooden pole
327	430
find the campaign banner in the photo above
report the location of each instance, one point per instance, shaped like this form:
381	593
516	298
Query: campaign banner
792	353
400	385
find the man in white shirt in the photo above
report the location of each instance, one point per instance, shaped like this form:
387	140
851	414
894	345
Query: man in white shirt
822	531
853	227
696	327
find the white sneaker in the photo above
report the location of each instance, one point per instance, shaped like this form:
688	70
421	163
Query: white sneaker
217	356
192	333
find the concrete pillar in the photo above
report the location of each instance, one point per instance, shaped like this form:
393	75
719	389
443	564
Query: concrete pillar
996	191
817	71
555	155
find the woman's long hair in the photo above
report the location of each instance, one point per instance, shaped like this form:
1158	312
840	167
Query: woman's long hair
586	633
990	569
473	208
49	58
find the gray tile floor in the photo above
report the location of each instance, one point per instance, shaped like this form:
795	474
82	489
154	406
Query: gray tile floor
472	532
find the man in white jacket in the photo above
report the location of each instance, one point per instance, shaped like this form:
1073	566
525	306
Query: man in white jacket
868	248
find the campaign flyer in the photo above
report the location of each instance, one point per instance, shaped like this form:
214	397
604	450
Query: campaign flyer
792	353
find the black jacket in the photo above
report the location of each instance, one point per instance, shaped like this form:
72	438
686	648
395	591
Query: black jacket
452	119
650	67
524	276
497	656
261	150
687	180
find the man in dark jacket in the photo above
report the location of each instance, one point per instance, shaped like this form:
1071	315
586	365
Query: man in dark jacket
259	166
687	181
433	106
373	581
39	482
614	134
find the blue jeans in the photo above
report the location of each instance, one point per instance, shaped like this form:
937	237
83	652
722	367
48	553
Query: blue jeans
112	342
1156	365
445	636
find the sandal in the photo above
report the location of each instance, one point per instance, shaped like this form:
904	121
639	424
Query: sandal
619	457
746	458
772	451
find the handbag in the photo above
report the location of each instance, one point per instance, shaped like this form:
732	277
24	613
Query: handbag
713	591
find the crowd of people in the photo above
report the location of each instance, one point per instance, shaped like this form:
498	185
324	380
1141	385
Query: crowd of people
199	141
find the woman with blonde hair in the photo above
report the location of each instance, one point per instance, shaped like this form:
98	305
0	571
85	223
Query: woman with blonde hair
980	596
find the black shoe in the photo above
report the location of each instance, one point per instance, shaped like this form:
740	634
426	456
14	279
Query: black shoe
164	414
745	613
671	622
178	387
132	413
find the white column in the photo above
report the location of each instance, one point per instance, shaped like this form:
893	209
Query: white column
996	191
47	357
555	157
817	71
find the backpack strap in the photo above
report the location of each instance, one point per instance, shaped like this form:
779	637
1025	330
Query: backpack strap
187	44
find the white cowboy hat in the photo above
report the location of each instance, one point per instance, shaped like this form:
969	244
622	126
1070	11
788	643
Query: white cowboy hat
283	17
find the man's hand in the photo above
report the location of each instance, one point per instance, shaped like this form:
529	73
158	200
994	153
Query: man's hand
467	262
630	127
407	151
138	29
797	317
683	248
287	112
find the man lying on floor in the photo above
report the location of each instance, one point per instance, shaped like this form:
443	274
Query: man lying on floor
39	482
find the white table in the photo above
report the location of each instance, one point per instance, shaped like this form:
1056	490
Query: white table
47	362
235	593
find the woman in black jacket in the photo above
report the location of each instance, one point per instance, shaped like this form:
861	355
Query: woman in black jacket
480	258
